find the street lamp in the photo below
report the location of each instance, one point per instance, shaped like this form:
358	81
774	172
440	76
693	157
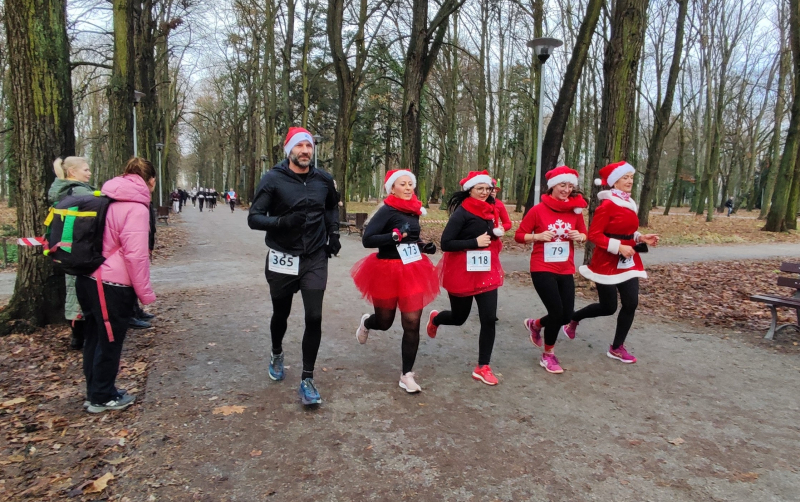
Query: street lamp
137	96
317	140
159	147
263	165
543	48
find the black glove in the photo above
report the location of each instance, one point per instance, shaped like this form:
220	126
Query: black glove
427	248
334	246
641	248
291	220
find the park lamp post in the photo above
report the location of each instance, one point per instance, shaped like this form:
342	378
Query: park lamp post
159	147
317	140
543	48
137	96
263	165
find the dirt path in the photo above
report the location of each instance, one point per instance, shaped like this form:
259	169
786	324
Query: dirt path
600	431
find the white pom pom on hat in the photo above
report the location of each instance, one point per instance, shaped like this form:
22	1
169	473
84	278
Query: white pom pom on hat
498	232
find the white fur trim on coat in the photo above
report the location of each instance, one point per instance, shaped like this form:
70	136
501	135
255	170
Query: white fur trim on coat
613	246
611	279
629	204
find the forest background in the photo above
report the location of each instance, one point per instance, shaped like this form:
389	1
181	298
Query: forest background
700	96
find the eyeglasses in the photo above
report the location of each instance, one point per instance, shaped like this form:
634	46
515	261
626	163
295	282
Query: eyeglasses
483	189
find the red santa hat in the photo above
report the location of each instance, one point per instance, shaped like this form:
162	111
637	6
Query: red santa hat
295	136
475	177
561	174
613	172
394	174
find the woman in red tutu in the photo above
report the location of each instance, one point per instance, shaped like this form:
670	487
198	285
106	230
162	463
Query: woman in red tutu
398	275
471	267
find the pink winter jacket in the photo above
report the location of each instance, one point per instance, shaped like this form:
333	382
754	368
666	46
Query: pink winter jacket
128	229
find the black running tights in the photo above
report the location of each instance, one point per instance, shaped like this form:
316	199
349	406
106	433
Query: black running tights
557	292
382	320
487	312
607	305
312	336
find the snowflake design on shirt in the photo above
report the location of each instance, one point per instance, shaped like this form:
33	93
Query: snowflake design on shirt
561	230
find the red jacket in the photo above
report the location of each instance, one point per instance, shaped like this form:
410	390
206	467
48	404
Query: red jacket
558	218
501	208
613	219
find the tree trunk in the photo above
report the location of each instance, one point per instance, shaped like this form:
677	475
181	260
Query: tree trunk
775	144
661	123
676	181
286	54
120	88
620	65
41	114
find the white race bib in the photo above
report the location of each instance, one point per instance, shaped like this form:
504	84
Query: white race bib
625	263
479	261
555	252
283	263
409	253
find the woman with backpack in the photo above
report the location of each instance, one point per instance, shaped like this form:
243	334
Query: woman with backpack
72	177
110	293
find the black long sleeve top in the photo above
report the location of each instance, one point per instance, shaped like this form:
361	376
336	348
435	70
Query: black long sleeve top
378	232
463	229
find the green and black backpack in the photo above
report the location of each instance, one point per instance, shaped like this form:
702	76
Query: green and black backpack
74	233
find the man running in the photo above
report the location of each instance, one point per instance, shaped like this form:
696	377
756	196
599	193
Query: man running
297	206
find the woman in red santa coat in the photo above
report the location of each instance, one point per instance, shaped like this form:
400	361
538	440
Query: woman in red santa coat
553	226
471	267
398	275
616	265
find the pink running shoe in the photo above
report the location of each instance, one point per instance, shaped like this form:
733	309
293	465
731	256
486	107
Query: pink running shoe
569	329
432	328
621	355
535	329
484	374
550	363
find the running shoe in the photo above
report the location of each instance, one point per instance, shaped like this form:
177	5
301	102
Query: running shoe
550	363
407	382
535	329
362	332
120	403
308	392
432	327
569	329
484	374
120	392
621	354
276	367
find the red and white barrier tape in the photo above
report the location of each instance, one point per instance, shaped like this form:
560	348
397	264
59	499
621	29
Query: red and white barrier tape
31	241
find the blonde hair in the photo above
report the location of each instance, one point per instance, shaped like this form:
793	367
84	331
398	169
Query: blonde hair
64	167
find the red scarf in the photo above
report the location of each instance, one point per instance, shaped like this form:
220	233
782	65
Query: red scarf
410	206
482	209
564	206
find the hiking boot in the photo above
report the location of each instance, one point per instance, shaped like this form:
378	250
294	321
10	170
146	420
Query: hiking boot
276	367
535	329
484	374
432	327
549	362
120	392
569	329
407	382
621	354
362	332
139	323
120	403
308	392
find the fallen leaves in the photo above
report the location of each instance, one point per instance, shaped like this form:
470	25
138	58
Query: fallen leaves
12	402
98	485
676	441
255	453
228	410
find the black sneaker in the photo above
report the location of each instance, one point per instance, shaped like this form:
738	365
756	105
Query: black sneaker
139	323
146	316
120	403
120	392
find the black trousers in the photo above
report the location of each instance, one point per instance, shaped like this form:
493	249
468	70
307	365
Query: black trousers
312	336
557	292
233	204
101	356
201	204
460	307
607	305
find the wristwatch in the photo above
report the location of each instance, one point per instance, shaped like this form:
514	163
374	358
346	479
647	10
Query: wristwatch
396	236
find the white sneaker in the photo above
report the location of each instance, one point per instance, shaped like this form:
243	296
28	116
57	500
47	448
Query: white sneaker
362	332
407	382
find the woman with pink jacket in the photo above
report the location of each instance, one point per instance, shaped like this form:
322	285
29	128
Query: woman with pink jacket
123	277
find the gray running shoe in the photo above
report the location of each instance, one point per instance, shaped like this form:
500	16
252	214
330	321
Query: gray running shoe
120	403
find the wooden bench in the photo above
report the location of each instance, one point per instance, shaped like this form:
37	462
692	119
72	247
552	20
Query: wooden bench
163	213
774	301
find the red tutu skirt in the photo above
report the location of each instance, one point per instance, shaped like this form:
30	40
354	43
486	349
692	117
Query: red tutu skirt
388	284
457	281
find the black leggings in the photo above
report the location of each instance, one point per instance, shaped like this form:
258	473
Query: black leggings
557	292
607	305
487	312
312	336
382	320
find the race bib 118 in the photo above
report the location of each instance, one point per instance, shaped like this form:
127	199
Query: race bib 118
479	261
